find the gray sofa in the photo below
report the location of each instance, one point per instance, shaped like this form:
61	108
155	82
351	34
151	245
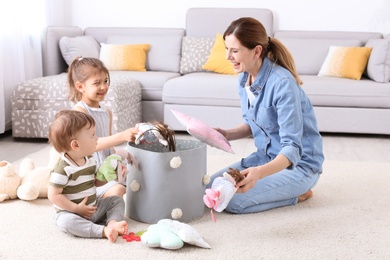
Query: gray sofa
175	80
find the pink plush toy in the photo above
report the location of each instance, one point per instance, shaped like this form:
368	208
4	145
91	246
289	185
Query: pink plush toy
222	190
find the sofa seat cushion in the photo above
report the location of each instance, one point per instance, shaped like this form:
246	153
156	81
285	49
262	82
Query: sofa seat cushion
202	88
152	82
341	92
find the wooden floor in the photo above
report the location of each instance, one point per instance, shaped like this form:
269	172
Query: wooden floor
340	147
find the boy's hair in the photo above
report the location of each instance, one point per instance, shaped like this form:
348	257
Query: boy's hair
66	125
80	70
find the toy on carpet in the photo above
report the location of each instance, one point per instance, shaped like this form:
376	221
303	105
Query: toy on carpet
114	167
9	181
172	234
31	182
222	191
35	180
136	237
154	132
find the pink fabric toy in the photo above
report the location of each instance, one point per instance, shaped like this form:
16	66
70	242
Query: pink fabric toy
221	192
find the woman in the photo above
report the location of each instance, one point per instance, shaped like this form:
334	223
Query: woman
279	116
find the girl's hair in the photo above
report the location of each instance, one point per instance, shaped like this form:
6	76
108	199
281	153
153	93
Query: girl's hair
80	70
65	126
250	32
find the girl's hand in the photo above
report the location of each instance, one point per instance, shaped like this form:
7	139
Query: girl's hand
252	175
129	134
84	210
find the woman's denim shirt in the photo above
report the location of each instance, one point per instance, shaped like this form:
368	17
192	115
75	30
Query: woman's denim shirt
281	118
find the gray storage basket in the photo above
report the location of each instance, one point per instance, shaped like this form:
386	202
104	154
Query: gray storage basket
162	188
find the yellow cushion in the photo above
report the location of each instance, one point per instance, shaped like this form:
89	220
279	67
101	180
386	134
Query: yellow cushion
345	62
124	56
217	61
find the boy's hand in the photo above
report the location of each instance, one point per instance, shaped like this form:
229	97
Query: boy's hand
84	210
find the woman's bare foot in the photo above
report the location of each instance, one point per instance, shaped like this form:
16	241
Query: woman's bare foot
305	196
110	233
121	227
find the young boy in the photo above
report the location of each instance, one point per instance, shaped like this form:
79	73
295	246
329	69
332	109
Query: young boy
72	187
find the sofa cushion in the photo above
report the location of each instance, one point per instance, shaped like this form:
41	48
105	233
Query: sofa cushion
378	67
194	53
203	89
73	47
341	92
124	56
164	52
152	82
310	54
345	62
217	61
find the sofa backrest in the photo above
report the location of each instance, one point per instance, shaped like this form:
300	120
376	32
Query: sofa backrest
310	48
52	60
165	50
207	22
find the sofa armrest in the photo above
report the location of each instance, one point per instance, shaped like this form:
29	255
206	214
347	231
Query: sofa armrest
52	60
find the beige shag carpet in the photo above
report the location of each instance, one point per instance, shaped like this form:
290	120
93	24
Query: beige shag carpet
347	218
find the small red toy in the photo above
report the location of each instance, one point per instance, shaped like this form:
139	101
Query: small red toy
132	237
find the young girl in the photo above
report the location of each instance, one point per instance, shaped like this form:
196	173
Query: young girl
89	82
72	187
279	116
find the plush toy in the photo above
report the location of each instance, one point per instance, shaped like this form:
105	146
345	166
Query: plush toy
172	234
114	167
222	191
155	132
31	182
35	180
9	181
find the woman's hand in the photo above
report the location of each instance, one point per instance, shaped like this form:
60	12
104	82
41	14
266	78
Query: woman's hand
241	131
221	131
252	175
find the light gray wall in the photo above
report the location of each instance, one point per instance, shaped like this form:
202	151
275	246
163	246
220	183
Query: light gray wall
335	15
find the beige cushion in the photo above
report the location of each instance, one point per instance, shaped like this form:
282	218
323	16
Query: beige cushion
345	62
124	56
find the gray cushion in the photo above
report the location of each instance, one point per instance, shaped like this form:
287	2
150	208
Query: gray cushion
84	46
194	53
164	52
378	67
310	54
